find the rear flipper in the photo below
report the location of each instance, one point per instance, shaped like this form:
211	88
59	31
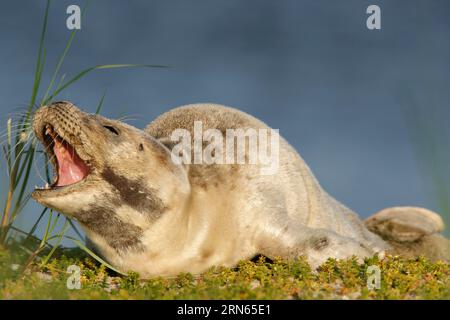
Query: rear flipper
411	232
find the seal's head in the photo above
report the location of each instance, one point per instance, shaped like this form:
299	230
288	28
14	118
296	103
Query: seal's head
103	167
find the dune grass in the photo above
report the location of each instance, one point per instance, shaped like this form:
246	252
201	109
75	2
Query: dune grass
20	152
430	138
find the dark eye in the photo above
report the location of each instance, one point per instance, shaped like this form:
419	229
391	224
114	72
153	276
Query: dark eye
112	129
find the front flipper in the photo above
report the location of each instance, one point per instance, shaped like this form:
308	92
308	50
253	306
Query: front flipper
317	245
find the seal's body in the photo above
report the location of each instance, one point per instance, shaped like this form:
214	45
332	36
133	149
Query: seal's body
146	213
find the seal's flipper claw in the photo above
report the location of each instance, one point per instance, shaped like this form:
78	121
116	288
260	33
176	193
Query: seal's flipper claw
405	224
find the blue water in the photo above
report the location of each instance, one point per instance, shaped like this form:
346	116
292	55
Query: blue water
337	91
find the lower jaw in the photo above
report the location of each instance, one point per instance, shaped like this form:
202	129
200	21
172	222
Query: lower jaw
57	190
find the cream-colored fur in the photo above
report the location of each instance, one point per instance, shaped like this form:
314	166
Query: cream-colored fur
147	214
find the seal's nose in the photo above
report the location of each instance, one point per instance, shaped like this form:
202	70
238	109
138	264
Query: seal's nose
57	112
62	107
38	120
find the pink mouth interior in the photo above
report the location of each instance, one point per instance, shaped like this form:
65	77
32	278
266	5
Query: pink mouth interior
71	169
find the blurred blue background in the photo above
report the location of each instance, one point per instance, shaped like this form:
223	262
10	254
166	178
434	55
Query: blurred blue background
339	93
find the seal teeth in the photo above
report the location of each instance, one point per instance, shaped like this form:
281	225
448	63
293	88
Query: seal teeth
49	131
46	187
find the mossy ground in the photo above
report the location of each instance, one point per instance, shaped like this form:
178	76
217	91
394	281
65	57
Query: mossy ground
258	279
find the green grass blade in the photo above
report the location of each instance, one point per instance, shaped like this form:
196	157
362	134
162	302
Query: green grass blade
61	81
25	167
47	228
9	145
58	66
5	155
21	206
100	104
75	228
53	226
62	57
99	67
40	61
93	255
30	233
428	133
58	241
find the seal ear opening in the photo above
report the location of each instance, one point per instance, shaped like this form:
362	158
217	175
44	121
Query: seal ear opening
167	142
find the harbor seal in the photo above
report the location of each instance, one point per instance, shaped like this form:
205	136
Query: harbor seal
144	212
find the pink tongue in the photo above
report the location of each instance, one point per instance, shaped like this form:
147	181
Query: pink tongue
71	168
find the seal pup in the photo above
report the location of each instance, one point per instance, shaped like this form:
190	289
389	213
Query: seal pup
144	212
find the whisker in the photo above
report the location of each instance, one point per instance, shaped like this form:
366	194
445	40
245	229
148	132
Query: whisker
129	117
16	125
18	156
14	130
13	148
20	108
39	173
48	159
6	138
6	134
46	163
129	120
16	118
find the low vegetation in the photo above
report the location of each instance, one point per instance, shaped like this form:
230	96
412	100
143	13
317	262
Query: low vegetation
257	279
39	270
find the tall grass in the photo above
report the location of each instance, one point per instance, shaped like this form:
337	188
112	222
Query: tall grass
20	154
430	137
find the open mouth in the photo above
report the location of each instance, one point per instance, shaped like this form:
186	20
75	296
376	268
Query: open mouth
69	168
